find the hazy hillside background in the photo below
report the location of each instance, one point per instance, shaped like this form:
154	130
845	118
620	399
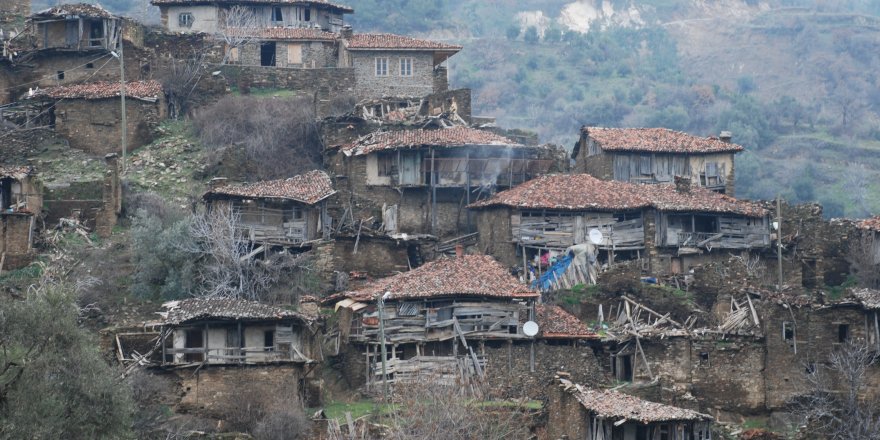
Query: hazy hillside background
795	80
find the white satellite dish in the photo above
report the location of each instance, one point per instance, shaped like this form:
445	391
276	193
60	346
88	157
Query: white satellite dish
530	328
596	236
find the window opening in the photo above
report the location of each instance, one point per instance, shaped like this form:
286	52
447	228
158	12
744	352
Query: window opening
194	339
60	74
308	14
406	67
842	332
381	66
185	19
267	54
269	340
788	331
277	16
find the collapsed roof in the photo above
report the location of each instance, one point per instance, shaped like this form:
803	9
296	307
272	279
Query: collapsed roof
455	137
620	407
73	10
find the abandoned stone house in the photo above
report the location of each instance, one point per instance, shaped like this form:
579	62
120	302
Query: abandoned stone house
20	205
88	115
285	212
295	48
76	27
656	155
671	227
187	16
418	181
578	412
870	239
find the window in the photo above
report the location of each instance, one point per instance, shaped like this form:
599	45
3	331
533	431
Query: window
185	19
385	165
269	340
788	331
96	33
194	338
308	15
704	358
381	66
294	53
60	74
842	332
406	67
90	65
276	14
664	432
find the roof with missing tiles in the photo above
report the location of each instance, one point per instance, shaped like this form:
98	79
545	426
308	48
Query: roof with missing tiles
74	10
308	188
870	224
145	90
868	298
582	192
455	137
613	405
555	323
396	42
656	140
324	3
468	275
198	309
286	33
16	172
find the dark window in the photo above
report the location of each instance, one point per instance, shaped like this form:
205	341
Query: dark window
704	358
810	368
276	14
269	340
386	163
308	14
842	332
194	339
621	366
60	74
267	54
90	65
185	19
788	331
96	34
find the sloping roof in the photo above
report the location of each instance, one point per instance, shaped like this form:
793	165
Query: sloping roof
584	192
666	198
75	10
570	192
309	188
468	275
287	33
556	323
656	140
396	42
869	298
16	172
196	309
147	90
338	7
870	224
445	138
613	405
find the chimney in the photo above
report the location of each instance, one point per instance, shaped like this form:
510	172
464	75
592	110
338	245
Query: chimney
217	182
347	32
459	251
725	136
682	184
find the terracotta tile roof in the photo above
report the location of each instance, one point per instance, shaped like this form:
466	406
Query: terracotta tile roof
613	405
869	298
75	9
870	224
468	275
577	192
656	140
556	323
570	192
147	90
336	6
16	172
445	138
308	188
666	198
396	42
196	309
288	33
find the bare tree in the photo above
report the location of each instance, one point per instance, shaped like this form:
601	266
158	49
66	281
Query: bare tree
179	79
228	264
864	259
835	405
239	27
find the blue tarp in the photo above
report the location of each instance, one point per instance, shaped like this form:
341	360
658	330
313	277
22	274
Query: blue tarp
544	283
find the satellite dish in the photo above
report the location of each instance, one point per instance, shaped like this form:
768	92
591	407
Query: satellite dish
530	328
596	236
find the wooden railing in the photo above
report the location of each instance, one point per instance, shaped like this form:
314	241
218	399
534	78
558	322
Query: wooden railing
235	355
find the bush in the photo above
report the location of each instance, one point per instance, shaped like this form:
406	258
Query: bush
159	242
531	35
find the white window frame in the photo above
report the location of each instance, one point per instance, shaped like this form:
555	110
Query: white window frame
280	13
381	66
185	19
406	67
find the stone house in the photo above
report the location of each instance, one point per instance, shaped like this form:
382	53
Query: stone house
656	155
187	16
284	212
418	180
294	48
394	65
88	114
577	412
673	227
870	238
77	27
20	204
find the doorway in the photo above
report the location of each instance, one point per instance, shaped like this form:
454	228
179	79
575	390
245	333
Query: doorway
267	54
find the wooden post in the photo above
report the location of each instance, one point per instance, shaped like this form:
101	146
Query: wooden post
384	349
241	354
467	188
433	195
164	336
779	238
206	343
532	356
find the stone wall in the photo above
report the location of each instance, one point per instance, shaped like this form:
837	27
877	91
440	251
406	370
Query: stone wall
567	417
600	166
495	238
93	125
13	14
312	54
369	85
323	85
441	79
111	199
47	68
440	102
81	200
16	237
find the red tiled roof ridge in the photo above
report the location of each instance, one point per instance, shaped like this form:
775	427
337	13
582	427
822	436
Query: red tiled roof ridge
656	139
468	275
444	137
288	33
99	90
309	188
16	171
870	224
393	41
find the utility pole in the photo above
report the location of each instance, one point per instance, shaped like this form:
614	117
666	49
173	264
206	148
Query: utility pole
122	100
384	351
779	237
